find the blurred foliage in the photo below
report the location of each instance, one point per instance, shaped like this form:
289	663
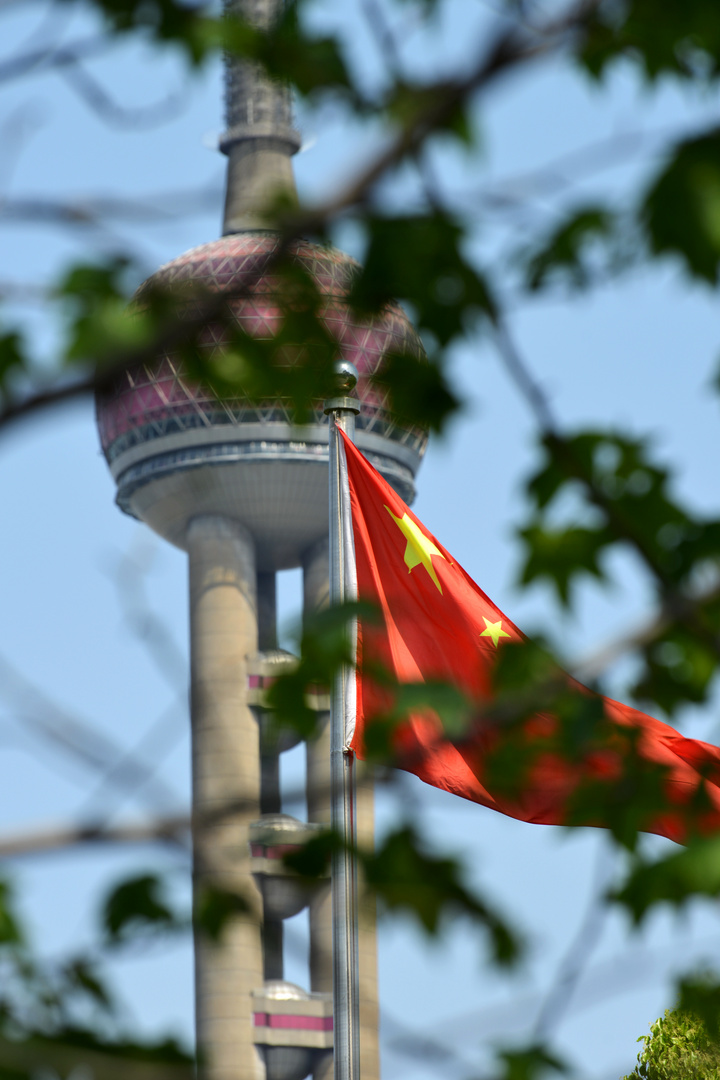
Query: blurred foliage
531	1063
681	210
684	41
138	904
592	493
674	879
564	256
325	646
408	879
59	1014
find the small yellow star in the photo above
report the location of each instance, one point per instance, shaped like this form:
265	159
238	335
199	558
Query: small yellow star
494	630
420	547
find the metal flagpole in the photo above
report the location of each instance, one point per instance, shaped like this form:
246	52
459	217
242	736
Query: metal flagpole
346	1006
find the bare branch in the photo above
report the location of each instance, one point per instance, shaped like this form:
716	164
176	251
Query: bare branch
79	739
172	830
521	375
383	34
511	49
46	59
575	960
97	98
91	211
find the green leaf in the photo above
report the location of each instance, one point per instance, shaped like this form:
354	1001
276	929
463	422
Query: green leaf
137	905
408	879
99	321
531	1063
417	259
324	647
312	860
313	65
418	390
624	791
409	104
677	1048
562	556
445	702
216	908
82	974
681	209
13	359
73	1050
165	21
682	40
678	668
677	878
564	256
700	997
615	476
11	931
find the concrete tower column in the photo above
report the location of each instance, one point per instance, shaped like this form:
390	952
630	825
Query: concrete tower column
225	759
316	595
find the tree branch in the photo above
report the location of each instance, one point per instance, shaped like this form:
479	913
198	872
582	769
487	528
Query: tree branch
103	105
172	830
47	58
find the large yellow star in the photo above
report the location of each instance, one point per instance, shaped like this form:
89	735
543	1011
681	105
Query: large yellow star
420	547
493	630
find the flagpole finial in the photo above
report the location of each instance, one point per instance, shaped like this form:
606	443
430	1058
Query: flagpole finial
345	378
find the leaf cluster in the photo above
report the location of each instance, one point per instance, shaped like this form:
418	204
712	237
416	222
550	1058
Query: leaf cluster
679	1046
620	498
407	879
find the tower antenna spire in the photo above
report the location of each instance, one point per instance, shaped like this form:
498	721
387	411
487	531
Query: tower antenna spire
260	139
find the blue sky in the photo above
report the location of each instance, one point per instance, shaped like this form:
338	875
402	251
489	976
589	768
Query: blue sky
639	353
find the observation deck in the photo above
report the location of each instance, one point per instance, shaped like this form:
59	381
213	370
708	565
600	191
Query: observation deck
176	451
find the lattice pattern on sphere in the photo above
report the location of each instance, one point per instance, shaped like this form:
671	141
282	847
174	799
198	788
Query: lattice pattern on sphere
151	402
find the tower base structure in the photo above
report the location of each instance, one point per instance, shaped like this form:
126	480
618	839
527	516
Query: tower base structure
251	1024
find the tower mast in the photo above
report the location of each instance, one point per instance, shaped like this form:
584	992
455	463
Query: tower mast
238	487
260	139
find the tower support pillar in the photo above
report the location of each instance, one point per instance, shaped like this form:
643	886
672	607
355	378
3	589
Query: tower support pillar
226	771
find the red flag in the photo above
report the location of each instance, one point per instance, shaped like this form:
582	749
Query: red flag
437	625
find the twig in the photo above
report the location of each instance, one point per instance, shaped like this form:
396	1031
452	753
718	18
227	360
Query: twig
171	830
578	954
81	740
680	606
104	106
520	374
52	57
509	50
91	212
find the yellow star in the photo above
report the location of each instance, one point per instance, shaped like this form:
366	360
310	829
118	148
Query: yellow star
494	630
420	547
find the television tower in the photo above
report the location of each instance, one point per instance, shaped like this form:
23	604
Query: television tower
244	492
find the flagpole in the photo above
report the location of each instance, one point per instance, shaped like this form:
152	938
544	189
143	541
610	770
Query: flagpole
346	985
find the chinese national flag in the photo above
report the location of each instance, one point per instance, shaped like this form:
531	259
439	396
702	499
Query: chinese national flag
437	626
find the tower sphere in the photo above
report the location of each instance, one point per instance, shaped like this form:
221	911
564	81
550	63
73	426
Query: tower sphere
177	452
